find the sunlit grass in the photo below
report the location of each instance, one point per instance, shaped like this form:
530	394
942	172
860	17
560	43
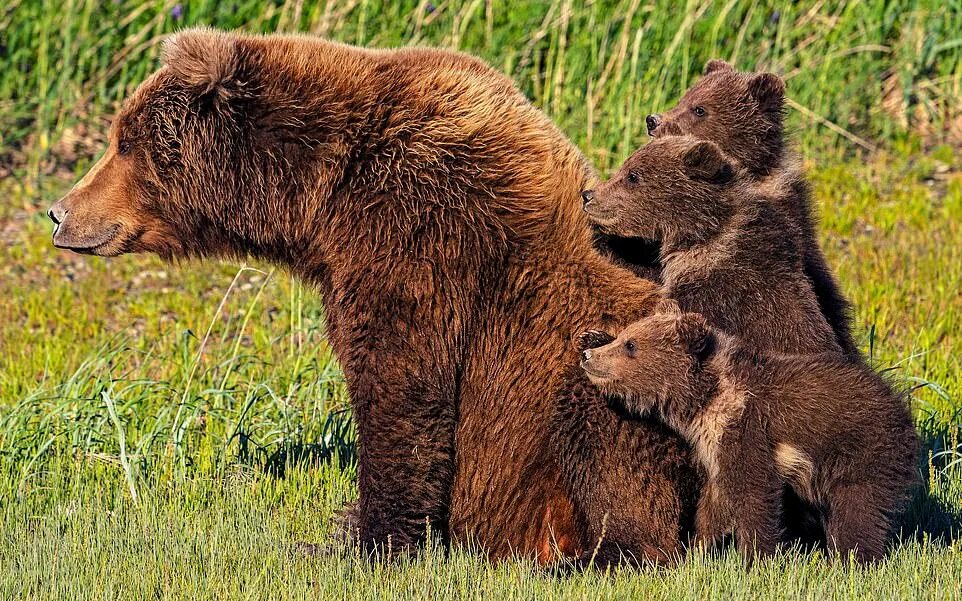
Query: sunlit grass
876	69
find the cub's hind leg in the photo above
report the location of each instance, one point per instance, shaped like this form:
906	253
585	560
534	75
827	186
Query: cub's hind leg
857	524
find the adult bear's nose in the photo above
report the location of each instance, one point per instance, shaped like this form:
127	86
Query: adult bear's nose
57	213
586	355
652	122
587	196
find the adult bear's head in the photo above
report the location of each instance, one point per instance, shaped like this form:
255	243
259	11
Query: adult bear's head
164	158
218	151
300	150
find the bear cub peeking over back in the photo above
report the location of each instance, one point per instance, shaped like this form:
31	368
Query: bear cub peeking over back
743	113
825	425
726	251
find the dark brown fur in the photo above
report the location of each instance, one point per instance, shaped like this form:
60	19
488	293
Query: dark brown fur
599	443
826	425
744	115
438	214
726	252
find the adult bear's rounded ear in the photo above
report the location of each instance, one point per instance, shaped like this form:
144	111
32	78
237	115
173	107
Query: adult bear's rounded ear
696	336
768	90
705	161
717	64
204	59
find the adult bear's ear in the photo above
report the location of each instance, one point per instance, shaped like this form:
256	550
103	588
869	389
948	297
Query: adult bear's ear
203	58
696	336
717	64
705	161
768	90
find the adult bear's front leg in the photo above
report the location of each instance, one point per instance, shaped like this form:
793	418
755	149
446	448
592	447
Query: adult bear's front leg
405	456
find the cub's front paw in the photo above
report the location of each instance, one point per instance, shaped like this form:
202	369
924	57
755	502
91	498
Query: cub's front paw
593	339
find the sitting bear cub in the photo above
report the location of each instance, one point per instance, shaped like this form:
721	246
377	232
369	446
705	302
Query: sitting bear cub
726	251
744	114
825	425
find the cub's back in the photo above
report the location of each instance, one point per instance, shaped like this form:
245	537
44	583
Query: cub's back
832	406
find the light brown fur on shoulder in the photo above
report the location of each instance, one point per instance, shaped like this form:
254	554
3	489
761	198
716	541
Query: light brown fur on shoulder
726	251
743	113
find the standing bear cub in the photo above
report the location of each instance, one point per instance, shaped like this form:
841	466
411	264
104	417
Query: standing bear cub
744	114
726	251
825	425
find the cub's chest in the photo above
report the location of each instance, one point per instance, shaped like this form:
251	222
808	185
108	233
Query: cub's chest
710	425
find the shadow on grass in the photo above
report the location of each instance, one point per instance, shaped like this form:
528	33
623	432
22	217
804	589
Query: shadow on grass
931	514
337	442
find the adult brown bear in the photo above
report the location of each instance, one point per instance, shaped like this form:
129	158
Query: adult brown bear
438	213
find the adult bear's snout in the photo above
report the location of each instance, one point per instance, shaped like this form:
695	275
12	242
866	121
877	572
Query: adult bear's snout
57	213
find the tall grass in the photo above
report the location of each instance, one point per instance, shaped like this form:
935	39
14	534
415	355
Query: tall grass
595	67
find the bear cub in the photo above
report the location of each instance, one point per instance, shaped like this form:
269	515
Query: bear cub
726	252
825	425
744	114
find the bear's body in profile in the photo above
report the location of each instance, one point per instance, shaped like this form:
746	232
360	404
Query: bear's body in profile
726	252
743	113
824	424
438	213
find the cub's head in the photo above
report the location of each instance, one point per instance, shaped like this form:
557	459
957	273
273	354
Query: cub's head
653	362
741	112
672	188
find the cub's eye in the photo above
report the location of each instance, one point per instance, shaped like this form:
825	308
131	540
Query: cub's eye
633	177
630	348
699	111
123	147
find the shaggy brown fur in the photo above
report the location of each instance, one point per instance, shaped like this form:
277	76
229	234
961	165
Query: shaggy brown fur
438	213
743	113
726	252
601	441
826	425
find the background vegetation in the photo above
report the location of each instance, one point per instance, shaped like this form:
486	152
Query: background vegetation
179	431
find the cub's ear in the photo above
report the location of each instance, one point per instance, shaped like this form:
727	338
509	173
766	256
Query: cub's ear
717	64
696	336
705	161
768	90
592	339
203	58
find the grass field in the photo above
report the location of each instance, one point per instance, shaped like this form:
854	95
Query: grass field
180	431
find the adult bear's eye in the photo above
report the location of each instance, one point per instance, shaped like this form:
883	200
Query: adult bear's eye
633	177
699	111
630	347
123	147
